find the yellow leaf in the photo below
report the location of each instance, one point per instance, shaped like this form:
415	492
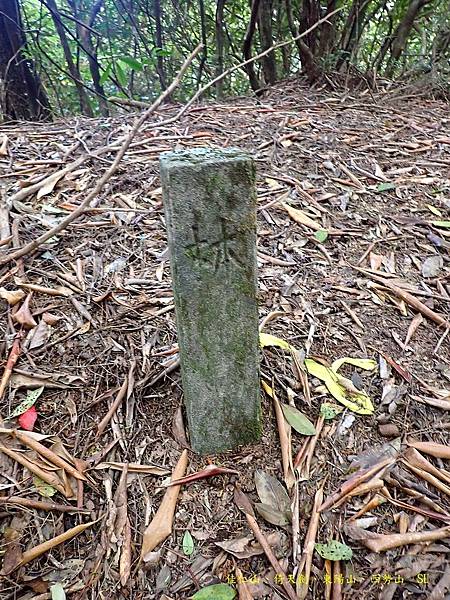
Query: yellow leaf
267	388
434	210
363	363
273	184
266	339
300	217
341	388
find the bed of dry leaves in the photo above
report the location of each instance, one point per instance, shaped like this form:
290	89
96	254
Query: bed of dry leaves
353	219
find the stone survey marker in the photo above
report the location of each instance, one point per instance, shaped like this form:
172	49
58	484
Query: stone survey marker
210	207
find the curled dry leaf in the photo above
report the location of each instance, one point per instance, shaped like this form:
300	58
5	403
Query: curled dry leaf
12	297
133	468
23	316
246	547
341	388
10	363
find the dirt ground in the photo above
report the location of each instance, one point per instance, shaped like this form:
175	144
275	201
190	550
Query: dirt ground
360	269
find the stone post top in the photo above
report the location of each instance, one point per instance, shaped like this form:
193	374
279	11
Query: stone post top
180	158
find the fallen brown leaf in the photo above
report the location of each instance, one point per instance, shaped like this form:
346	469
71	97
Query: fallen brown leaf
161	525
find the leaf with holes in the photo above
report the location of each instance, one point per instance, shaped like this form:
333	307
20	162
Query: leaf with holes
43	489
29	401
298	420
329	410
334	550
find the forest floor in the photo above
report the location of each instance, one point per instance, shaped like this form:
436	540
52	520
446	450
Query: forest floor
371	170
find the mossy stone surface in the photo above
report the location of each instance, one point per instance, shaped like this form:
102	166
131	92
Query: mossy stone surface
210	206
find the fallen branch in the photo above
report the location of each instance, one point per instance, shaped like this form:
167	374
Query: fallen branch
406	297
108	173
243	503
38	505
308	548
40	549
377	542
112	409
360	477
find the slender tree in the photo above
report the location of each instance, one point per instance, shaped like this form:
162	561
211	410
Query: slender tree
220	44
269	64
85	104
21	93
247	45
400	36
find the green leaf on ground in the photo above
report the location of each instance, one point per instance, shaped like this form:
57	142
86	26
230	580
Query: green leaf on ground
57	592
30	399
445	224
385	187
329	410
334	550
297	420
321	235
188	543
220	591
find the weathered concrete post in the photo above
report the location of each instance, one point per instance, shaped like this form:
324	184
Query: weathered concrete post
210	207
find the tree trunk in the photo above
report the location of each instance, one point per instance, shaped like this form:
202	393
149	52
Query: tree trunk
21	93
85	104
201	6
351	32
307	59
266	37
310	14
220	45
85	36
400	36
247	46
159	43
328	31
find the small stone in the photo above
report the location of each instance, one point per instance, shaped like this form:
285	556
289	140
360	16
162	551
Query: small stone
432	266
389	430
